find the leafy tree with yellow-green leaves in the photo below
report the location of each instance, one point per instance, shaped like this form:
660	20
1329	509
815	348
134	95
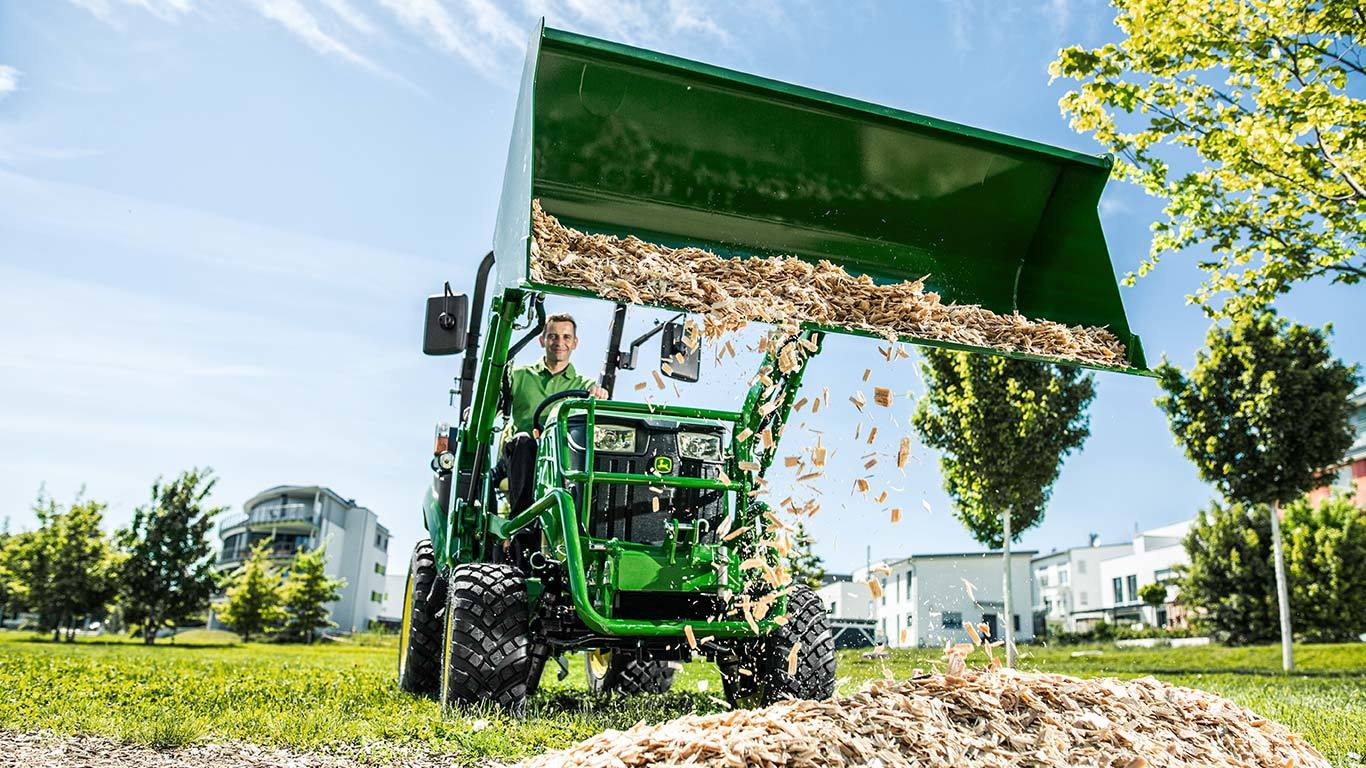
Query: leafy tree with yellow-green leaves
1263	411
1247	117
1003	427
307	591
255	596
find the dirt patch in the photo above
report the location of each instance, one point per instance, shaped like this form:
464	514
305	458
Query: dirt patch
988	719
46	750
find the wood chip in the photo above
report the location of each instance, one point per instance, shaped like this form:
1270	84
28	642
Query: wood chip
658	381
641	385
872	435
903	453
692	639
875	588
731	292
896	514
882	396
792	658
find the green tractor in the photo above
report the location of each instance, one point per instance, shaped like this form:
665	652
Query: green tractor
644	514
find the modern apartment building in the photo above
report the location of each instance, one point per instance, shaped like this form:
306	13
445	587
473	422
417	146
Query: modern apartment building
294	517
925	599
1067	585
1155	555
1350	474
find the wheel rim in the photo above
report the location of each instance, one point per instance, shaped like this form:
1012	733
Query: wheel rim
406	626
598	661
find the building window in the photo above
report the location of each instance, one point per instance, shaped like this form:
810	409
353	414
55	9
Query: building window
379	568
884	591
381	542
1132	583
1082	597
376	597
1042	576
908	619
1119	590
1164	576
1016	622
831	611
952	620
1081	566
1062	575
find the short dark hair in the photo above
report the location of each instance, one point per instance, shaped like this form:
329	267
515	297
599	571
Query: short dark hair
561	317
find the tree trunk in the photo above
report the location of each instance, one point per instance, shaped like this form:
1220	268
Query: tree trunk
1009	618
1282	589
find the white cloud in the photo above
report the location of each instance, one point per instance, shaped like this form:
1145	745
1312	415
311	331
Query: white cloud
9	79
1058	13
434	21
293	16
166	10
349	14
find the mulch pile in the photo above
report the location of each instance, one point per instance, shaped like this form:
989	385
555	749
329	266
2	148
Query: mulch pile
730	292
979	718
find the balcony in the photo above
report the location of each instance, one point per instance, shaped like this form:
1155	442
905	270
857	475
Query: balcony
297	514
240	554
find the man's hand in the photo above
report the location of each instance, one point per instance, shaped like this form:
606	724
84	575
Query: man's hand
598	392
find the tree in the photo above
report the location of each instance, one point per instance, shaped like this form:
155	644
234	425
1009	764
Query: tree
307	592
1230	584
168	574
1003	427
1247	118
1153	594
804	565
1264	410
67	566
1325	557
255	597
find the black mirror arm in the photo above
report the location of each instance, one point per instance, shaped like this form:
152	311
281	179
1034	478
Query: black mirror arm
627	359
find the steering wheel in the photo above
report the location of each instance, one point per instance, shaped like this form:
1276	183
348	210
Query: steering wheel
555	398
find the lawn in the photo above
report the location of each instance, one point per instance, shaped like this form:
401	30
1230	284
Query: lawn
341	697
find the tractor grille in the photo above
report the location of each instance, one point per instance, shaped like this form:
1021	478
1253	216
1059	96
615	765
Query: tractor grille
668	605
627	512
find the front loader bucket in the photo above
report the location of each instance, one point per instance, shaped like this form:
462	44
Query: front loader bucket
614	139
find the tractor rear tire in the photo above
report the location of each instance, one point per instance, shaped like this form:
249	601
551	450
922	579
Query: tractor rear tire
764	679
419	652
630	676
488	638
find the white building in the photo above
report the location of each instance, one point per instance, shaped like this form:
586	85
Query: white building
926	598
1154	557
850	607
294	517
1067	585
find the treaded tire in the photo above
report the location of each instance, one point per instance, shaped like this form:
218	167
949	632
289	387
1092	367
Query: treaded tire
488	638
631	676
766	659
419	656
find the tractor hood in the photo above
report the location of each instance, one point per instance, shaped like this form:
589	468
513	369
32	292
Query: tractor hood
618	140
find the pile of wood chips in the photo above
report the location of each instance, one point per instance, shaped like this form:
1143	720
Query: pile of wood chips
981	718
732	292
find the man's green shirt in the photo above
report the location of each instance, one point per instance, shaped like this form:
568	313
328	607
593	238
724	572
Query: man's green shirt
533	383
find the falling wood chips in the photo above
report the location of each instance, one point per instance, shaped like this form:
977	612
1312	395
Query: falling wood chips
731	292
982	718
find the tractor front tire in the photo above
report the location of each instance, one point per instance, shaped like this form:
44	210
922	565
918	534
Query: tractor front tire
488	638
619	673
757	676
419	650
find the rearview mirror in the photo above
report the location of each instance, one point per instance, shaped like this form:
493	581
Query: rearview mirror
447	322
676	359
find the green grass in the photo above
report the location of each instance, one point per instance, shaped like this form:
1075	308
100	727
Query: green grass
340	697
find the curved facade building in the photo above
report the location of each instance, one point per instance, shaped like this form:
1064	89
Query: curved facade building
295	517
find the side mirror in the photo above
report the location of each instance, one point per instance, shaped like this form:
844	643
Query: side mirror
676	359
447	322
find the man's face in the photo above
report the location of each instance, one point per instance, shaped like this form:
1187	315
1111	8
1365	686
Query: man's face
559	342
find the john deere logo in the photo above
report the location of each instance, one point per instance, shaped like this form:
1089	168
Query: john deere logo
664	465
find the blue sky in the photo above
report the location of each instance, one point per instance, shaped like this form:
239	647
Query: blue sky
218	221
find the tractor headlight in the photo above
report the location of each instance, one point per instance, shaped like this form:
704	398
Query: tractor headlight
700	446
614	439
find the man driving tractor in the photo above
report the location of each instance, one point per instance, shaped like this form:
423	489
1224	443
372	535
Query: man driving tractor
528	385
